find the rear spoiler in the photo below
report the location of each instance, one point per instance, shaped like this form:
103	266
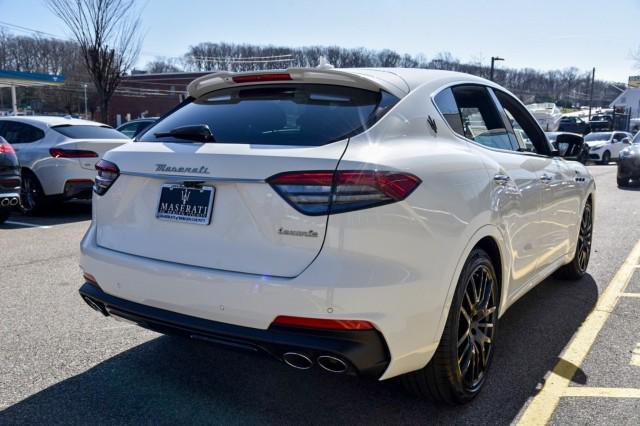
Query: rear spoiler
338	77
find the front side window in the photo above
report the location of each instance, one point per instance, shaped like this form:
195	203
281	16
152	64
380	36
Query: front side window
16	133
478	118
526	131
284	114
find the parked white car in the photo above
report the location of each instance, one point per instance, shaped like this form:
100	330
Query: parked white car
57	155
364	221
606	146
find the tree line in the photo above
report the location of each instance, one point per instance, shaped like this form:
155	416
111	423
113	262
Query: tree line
566	87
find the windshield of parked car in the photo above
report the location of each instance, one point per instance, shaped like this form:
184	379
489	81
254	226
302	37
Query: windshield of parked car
291	114
89	132
598	137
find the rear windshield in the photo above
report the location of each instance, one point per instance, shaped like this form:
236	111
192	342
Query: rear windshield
302	114
89	132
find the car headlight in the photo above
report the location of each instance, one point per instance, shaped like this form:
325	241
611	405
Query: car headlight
597	147
625	153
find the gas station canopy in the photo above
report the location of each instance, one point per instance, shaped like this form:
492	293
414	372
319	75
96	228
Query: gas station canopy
14	79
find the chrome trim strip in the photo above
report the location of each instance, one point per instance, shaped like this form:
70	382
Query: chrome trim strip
201	178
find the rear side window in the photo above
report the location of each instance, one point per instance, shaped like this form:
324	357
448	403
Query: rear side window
88	132
15	132
288	114
478	118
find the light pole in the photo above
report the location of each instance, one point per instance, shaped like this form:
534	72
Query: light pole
493	61
86	111
593	78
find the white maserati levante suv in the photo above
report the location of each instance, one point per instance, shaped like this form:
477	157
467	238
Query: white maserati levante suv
57	156
375	222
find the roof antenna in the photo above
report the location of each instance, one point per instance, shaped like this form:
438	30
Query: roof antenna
323	64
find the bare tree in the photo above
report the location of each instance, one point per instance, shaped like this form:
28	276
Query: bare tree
108	33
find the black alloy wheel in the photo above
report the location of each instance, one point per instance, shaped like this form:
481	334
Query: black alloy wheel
458	369
575	269
476	323
583	251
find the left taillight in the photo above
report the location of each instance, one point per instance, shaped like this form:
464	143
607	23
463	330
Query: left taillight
5	148
326	192
108	172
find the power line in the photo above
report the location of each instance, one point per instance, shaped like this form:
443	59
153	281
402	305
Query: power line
27	29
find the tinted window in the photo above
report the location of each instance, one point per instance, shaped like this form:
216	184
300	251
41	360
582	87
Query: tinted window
480	119
16	132
528	135
88	132
446	103
302	114
129	129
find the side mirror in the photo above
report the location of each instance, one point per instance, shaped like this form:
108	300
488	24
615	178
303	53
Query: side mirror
626	140
569	146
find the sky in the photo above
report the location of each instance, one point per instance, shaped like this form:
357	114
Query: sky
540	34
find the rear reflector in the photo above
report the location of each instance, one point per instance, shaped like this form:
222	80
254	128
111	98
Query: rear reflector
71	153
329	324
5	148
10	182
326	192
108	172
261	77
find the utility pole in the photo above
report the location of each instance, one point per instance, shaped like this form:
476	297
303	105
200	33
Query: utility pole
86	113
493	61
593	78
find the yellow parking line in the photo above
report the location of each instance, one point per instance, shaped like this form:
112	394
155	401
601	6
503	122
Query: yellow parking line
635	356
602	392
636	295
556	384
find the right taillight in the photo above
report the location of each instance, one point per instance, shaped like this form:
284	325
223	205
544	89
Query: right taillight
108	172
326	192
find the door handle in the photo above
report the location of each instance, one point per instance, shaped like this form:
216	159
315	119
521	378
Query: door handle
546	178
501	179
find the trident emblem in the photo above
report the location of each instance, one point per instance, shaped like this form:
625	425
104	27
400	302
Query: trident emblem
185	196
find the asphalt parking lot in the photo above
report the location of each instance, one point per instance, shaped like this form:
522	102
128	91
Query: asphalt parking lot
61	362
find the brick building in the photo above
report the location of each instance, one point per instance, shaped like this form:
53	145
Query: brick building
149	95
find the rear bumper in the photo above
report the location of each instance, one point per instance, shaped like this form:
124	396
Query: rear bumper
364	351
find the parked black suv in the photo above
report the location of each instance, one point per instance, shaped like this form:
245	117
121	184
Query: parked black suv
573	125
9	180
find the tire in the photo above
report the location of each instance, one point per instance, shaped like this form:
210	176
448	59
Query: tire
4	215
450	377
606	158
32	198
576	269
622	183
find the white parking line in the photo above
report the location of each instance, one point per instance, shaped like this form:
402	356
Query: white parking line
30	225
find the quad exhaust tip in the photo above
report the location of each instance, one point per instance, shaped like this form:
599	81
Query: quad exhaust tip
332	364
297	360
9	202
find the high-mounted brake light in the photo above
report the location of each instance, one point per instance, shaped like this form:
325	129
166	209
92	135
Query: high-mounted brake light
71	153
6	148
330	324
325	192
254	78
108	172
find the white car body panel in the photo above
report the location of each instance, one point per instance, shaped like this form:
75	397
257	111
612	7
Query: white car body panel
53	173
395	265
